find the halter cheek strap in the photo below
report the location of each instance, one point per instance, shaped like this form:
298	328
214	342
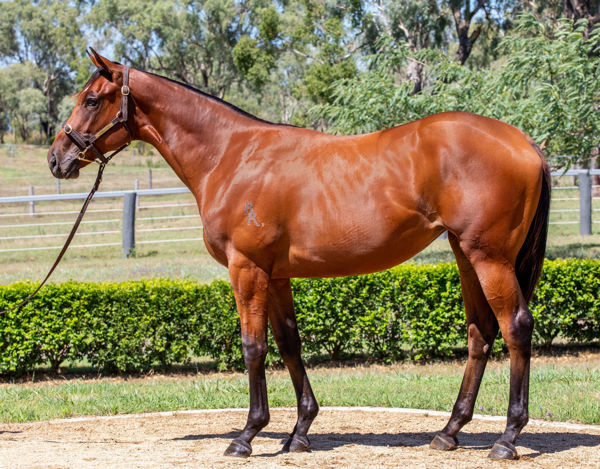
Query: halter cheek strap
86	144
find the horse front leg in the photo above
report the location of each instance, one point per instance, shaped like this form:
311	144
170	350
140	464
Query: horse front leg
285	330
250	284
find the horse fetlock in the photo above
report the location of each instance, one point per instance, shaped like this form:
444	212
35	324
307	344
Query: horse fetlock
258	421
462	413
517	419
309	409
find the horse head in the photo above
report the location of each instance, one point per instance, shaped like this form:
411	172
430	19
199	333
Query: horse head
100	121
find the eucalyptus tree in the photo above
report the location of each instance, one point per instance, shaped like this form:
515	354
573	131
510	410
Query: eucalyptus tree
545	82
47	34
198	42
22	104
417	24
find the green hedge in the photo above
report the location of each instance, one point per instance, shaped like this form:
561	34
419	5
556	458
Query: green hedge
413	311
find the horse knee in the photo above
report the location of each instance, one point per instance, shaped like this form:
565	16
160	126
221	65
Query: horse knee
254	350
524	320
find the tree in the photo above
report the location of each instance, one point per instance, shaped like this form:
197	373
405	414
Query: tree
464	13
198	42
22	104
419	24
45	33
545	83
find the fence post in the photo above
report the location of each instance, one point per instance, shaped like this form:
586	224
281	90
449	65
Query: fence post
149	178
137	200
129	223
585	204
31	204
57	186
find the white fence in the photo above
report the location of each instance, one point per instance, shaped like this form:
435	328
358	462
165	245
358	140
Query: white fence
131	204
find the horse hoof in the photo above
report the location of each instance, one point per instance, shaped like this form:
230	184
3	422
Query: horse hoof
443	442
239	449
296	444
503	450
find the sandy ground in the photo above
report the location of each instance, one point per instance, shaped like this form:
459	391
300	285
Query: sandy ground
339	437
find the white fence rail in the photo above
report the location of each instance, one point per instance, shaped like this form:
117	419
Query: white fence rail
131	205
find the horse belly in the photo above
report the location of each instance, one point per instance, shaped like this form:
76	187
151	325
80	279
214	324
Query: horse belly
360	245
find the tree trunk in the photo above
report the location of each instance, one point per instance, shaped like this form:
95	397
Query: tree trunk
414	72
45	124
576	9
462	22
24	132
465	42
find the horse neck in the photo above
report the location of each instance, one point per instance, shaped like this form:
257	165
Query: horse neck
190	130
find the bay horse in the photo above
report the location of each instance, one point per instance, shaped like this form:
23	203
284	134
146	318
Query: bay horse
278	201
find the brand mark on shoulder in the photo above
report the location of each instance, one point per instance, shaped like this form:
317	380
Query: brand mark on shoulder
249	210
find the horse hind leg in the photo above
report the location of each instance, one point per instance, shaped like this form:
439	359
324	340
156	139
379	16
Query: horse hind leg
501	288
285	330
482	329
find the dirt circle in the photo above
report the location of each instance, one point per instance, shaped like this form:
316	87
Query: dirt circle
365	438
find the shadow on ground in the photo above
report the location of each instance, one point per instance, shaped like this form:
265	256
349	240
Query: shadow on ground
538	443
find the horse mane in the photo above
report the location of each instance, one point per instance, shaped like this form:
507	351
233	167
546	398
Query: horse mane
215	98
102	72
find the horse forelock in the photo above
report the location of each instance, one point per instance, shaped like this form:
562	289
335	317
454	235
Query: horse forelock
93	77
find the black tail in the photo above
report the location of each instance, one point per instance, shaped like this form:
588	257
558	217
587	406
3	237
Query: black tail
531	256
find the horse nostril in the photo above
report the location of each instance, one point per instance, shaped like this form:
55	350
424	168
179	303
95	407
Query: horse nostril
53	161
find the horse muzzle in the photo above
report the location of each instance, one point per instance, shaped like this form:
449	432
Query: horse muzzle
67	170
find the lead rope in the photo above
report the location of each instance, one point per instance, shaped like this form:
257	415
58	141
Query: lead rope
72	233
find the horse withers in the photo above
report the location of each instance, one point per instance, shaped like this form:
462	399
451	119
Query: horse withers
278	201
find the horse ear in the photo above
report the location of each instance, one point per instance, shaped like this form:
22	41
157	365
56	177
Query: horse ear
101	62
97	59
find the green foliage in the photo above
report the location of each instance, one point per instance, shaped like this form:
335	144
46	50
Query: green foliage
21	101
209	44
409	310
546	83
281	59
45	33
567	302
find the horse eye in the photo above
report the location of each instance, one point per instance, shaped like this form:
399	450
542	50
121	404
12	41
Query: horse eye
91	102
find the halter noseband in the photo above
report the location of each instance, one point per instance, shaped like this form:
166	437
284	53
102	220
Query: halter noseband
86	144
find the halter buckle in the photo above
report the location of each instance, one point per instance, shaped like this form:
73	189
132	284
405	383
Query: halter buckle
125	90
68	129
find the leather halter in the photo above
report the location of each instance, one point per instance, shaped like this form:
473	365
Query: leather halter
86	144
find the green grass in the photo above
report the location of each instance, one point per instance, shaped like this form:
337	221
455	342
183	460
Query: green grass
561	390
